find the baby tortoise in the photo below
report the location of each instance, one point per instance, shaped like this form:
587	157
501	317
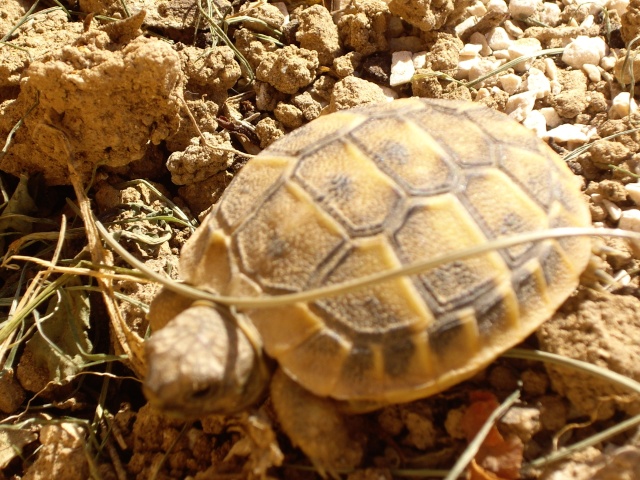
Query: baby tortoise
348	195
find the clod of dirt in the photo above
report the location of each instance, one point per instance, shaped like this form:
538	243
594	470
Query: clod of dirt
288	69
363	26
627	68
62	454
265	12
428	15
49	33
11	393
572	100
289	115
268	131
622	463
212	72
602	329
94	103
630	28
352	91
252	49
201	160
199	196
318	32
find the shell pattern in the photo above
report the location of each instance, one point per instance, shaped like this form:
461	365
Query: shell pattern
375	188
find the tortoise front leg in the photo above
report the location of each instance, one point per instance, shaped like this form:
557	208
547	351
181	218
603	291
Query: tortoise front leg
316	426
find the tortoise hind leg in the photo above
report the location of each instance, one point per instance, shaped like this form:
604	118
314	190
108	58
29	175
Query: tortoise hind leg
316	426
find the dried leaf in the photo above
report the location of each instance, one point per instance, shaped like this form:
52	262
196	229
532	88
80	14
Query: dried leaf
498	458
12	441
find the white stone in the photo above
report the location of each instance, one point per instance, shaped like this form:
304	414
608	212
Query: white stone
470	50
556	87
464	66
467	23
584	50
535	121
390	93
284	10
484	66
482	93
524	47
477	38
419	59
521	9
499	6
630	220
587	22
520	105
633	190
622	105
478	9
608	61
512	29
550	14
550	69
538	83
498	38
569	133
593	72
402	69
551	116
510	82
619	6
614	211
502	54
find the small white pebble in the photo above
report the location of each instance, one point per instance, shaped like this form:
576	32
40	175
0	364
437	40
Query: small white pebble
402	68
283	9
587	22
622	105
510	82
622	277
568	133
608	61
482	93
550	69
477	38
522	47
619	6
535	121
592	71
633	190
478	9
467	23
584	50
550	14
499	6
630	220
596	198
520	105
464	66
470	50
390	93
614	211
498	38
419	59
572	22
513	30
551	116
556	87
521	9
502	54
484	65
538	83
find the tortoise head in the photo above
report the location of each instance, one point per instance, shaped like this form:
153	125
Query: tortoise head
201	361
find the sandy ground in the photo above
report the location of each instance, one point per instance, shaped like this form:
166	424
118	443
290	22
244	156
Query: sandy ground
145	93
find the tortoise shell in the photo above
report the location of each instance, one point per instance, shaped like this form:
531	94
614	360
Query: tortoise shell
375	188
